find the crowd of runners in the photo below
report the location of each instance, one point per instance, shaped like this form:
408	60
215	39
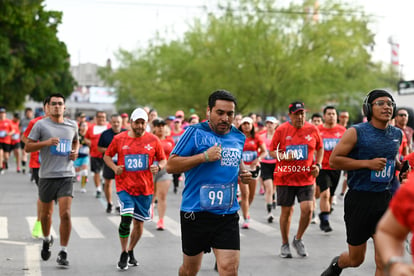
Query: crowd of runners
218	161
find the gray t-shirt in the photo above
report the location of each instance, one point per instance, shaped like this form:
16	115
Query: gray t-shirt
55	162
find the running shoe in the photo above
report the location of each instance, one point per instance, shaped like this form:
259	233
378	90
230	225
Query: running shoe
160	225
132	261
261	191
83	190
333	269
270	218
285	251
45	253
246	223
334	200
62	258
123	261
315	219
109	208
300	247
37	230
98	194
324	225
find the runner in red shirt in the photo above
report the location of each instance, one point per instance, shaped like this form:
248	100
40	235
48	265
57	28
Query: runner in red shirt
393	229
136	150
92	139
162	179
15	140
254	151
294	146
6	131
176	131
328	178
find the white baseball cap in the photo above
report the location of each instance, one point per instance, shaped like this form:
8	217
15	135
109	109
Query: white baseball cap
247	120
139	113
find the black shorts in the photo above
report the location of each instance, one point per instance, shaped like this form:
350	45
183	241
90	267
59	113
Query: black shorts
286	194
363	210
108	173
15	146
327	179
5	147
201	231
96	164
22	144
54	188
35	174
267	170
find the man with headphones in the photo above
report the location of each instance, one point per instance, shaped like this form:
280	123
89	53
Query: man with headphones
368	151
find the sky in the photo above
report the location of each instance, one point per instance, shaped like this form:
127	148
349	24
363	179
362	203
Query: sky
94	30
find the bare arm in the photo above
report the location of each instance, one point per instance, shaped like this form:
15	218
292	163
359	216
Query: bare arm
389	241
102	149
32	145
110	163
339	158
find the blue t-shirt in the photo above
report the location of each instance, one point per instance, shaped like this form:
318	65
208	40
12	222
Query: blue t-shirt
374	143
211	186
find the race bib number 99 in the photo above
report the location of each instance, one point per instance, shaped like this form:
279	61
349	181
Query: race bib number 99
216	196
63	148
300	152
136	162
386	174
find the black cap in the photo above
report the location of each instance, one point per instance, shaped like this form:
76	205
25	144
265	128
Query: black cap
158	122
296	106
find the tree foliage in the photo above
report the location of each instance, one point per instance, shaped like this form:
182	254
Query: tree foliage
32	59
267	55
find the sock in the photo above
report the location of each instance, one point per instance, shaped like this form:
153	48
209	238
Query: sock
325	216
83	181
47	238
64	249
24	164
269	207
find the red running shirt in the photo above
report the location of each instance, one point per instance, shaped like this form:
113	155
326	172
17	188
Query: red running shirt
93	134
6	126
34	161
251	149
137	155
330	137
302	143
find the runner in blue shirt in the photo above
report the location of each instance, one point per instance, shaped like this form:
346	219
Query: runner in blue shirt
210	155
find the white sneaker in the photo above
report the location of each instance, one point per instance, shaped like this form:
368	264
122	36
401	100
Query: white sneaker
83	190
334	200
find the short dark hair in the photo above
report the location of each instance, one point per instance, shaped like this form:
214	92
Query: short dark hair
316	115
220	95
329	107
46	100
28	109
115	115
56	95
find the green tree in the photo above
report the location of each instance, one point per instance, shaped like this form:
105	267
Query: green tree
32	59
266	55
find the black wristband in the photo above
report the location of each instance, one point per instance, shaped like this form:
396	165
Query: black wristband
319	166
159	168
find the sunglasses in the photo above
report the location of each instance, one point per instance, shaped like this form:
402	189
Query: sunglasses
56	103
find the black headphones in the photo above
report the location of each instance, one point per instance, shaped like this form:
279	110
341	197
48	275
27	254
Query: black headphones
367	106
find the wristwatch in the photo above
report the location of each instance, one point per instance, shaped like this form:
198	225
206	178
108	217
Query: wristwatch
391	261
